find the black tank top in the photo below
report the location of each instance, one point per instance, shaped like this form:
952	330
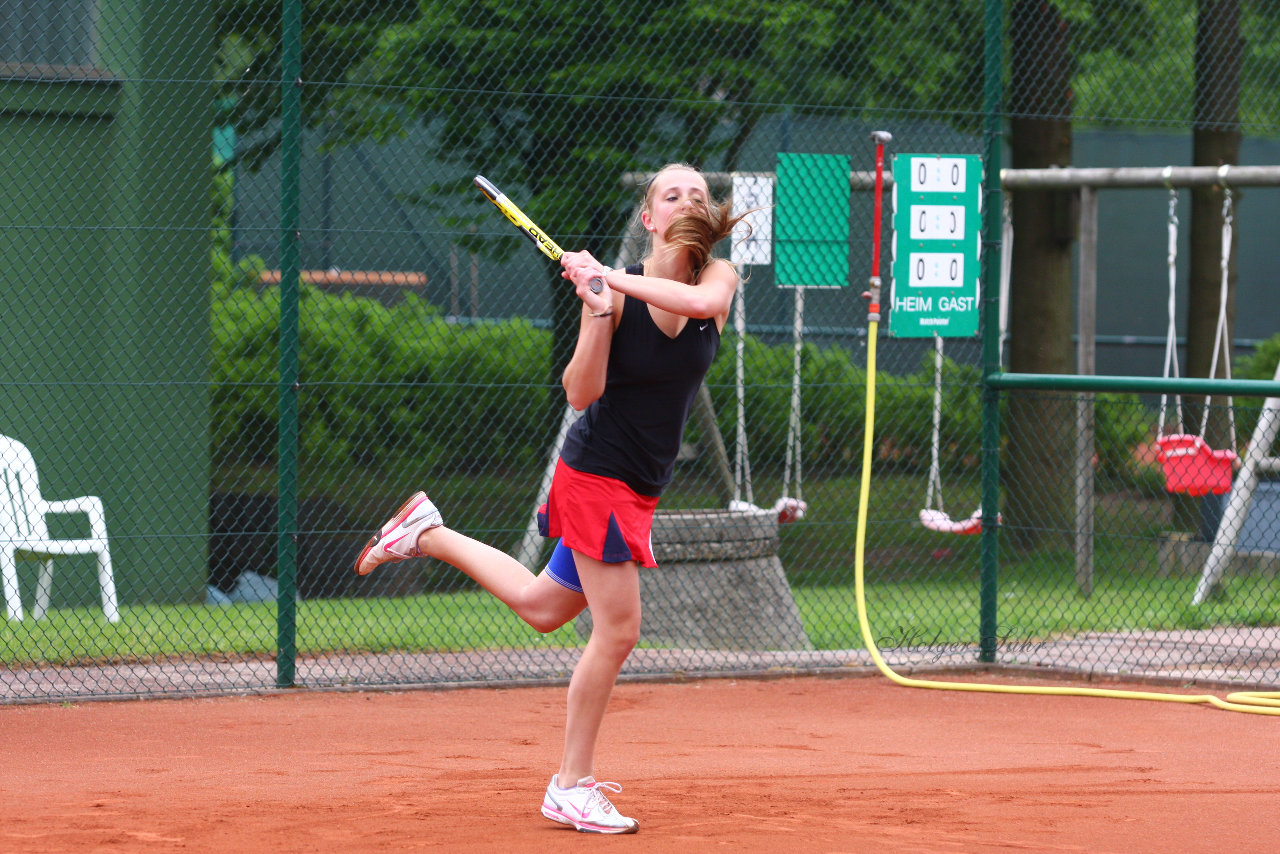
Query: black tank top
633	431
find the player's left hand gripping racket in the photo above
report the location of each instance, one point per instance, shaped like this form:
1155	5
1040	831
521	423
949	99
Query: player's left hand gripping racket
526	226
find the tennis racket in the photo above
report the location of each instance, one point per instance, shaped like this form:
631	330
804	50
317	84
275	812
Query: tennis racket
527	227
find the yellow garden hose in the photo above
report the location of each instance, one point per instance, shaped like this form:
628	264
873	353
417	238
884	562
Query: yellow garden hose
1253	702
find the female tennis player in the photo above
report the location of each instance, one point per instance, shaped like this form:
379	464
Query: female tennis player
644	345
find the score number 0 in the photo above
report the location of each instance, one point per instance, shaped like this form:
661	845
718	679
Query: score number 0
938	175
936	269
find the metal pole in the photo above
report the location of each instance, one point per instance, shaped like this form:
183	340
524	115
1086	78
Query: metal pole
993	96
1070	178
1087	325
1142	385
1139	176
287	500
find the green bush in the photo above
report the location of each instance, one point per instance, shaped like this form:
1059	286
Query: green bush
834	413
378	383
1121	428
1261	365
833	408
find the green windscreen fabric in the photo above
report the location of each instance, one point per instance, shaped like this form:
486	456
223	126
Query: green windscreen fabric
812	220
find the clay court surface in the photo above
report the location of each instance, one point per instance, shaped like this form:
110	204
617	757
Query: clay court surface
794	764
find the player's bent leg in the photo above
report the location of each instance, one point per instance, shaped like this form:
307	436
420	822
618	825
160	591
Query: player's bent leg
546	605
542	604
417	530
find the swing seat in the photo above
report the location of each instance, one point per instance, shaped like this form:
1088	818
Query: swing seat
785	508
1191	467
936	520
790	509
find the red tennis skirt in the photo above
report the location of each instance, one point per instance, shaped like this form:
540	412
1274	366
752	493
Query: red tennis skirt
600	517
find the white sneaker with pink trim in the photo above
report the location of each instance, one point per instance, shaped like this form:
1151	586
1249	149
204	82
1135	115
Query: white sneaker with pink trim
586	807
398	538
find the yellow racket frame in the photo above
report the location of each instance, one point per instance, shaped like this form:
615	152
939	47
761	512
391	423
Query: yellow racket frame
527	226
519	219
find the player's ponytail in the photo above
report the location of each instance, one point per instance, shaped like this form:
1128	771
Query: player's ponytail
697	233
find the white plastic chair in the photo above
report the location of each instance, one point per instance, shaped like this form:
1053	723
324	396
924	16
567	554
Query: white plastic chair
24	529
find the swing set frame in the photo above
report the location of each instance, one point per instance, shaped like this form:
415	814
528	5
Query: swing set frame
1087	182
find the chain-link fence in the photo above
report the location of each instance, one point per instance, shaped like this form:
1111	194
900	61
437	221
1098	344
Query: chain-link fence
252	301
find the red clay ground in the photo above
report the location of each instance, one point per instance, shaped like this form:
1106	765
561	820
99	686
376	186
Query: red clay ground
798	764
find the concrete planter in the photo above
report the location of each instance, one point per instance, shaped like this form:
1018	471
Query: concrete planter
719	584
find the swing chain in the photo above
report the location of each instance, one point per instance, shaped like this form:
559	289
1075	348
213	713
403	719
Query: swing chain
1171	344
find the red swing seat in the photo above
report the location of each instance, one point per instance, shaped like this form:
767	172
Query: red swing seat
936	520
1191	467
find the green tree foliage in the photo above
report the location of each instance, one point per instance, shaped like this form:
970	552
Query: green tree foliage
561	98
336	35
557	100
1137	68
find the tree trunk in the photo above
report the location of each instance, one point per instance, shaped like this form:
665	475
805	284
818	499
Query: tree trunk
1037	471
1215	141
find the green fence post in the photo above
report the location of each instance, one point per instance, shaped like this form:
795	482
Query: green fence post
993	95
287	498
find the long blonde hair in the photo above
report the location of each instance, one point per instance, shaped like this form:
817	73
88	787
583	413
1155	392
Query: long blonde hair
698	231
